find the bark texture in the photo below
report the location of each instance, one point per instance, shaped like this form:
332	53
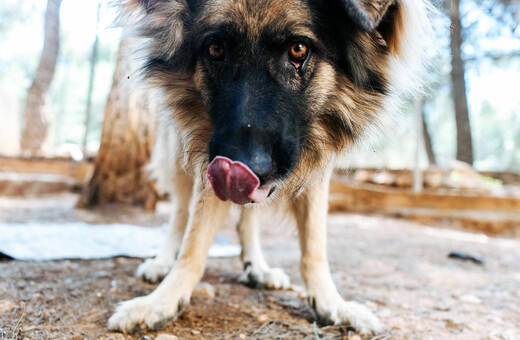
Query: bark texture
126	142
464	140
36	113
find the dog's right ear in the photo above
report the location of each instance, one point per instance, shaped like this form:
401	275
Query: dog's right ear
145	5
163	22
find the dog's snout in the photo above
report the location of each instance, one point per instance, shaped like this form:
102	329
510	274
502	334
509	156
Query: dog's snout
260	162
251	154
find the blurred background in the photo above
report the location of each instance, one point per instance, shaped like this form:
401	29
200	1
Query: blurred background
486	59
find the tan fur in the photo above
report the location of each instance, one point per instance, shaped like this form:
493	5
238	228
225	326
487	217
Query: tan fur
342	113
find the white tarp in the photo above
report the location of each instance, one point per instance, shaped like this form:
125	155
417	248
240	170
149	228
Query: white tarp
35	241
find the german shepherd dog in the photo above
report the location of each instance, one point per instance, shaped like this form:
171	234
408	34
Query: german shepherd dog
261	96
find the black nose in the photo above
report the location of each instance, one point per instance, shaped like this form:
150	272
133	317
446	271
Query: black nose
254	156
260	162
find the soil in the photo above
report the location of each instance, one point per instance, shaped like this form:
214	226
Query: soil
399	269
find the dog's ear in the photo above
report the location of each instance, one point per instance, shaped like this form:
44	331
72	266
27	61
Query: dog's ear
383	16
403	24
132	5
366	14
162	22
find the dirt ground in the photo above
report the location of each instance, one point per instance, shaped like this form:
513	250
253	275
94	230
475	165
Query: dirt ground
399	269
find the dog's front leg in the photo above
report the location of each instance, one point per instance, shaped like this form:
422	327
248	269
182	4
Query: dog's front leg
155	269
311	209
153	311
257	273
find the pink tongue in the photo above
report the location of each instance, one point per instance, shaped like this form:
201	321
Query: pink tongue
234	181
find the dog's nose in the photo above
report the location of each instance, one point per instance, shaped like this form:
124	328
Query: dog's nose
260	163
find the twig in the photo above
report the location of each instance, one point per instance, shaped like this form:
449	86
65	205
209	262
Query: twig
316	331
15	329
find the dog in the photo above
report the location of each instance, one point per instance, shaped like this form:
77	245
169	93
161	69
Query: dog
261	97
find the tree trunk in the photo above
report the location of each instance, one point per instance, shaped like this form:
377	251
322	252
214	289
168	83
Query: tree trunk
126	142
93	63
464	141
36	114
428	145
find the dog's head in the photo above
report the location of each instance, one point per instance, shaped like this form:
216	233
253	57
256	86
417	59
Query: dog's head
262	86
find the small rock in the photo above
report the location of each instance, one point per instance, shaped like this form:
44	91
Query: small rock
452	324
166	337
242	336
38	297
271	299
6	306
262	318
195	332
384	313
205	290
470	299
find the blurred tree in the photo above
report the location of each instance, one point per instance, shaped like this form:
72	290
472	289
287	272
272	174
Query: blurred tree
93	62
428	145
464	140
126	142
36	115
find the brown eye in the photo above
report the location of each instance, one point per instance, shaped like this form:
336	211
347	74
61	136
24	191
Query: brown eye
216	51
298	52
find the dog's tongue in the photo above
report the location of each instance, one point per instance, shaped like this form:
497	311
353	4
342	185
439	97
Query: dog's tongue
234	181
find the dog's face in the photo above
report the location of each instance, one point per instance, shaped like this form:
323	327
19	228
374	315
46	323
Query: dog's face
275	81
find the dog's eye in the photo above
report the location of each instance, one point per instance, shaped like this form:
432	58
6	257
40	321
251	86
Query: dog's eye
216	51
298	52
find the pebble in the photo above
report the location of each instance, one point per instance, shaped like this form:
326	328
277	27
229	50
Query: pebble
384	313
242	336
38	297
195	332
271	299
6	306
205	290
452	324
262	318
470	299
166	337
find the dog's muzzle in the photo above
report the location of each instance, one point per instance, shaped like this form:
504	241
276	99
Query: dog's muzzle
234	181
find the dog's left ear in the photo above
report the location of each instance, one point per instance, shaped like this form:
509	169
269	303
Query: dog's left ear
383	16
366	14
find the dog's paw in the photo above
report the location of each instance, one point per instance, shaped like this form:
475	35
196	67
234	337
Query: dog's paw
352	314
154	270
271	278
145	313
